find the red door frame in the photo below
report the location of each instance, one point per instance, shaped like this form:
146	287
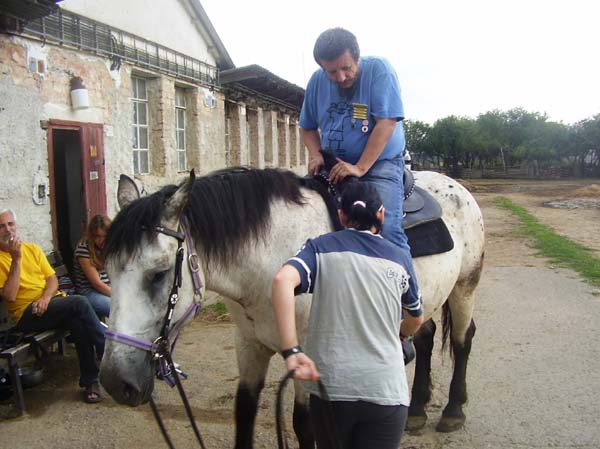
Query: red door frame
93	174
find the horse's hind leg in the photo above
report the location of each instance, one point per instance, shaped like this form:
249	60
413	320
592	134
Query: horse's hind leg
462	330
421	389
253	362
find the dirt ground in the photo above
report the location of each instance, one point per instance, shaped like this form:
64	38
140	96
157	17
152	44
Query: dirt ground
502	411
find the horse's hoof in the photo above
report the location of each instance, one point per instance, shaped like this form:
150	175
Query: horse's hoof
416	422
450	424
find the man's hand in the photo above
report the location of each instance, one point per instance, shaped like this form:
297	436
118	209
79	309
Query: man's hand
40	306
12	246
343	169
315	163
302	365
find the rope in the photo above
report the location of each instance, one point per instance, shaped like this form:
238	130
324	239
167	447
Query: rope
159	420
279	418
186	405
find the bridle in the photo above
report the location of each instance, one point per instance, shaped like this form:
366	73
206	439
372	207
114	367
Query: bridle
163	346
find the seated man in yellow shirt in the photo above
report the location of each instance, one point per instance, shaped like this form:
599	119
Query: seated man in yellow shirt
29	288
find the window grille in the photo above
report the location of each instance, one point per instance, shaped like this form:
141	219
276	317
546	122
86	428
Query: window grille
75	31
141	151
180	147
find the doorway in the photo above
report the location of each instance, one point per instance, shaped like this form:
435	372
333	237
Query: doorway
68	192
77	181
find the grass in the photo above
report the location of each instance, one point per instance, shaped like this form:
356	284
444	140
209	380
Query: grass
215	312
218	308
558	248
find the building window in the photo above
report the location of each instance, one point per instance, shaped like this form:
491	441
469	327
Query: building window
180	107
139	98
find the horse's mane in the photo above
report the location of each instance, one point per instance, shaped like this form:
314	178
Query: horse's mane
225	209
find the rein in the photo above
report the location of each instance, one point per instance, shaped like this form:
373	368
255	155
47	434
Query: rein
161	348
334	440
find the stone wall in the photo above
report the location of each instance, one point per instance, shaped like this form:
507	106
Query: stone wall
256	136
28	99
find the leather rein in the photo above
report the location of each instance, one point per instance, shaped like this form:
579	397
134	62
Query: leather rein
161	348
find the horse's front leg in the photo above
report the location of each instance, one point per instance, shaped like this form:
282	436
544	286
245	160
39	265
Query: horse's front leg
302	425
253	362
421	389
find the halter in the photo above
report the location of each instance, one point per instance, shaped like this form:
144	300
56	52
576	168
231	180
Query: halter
163	346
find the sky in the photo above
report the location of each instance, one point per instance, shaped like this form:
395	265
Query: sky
452	57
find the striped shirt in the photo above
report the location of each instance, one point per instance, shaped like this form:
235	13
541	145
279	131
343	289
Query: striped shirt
81	281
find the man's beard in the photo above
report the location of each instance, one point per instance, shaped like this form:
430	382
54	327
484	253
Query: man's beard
348	92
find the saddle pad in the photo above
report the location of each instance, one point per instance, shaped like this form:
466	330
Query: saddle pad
429	238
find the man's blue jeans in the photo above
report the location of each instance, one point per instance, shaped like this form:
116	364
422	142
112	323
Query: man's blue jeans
388	178
74	313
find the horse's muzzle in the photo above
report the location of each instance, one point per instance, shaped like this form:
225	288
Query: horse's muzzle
127	383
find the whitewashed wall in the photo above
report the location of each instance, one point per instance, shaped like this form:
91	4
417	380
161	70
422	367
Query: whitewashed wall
27	99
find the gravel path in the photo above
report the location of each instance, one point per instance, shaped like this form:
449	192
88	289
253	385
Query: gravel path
533	376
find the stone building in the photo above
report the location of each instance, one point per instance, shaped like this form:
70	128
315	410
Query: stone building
90	89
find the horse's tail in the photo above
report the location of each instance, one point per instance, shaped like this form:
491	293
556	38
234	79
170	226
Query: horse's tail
446	326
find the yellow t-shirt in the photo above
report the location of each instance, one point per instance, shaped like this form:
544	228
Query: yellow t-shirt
35	269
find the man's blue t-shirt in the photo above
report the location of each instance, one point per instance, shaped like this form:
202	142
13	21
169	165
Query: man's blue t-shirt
346	119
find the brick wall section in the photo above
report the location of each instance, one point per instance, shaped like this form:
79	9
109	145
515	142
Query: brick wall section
271	139
253	136
283	137
210	131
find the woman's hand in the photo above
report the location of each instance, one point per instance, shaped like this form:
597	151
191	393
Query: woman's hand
302	365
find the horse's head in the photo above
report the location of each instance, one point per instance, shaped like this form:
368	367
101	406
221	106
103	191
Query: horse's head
141	265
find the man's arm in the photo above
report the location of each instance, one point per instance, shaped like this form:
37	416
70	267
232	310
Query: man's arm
39	307
383	130
312	141
11	287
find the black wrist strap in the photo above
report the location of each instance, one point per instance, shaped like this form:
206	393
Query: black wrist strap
291	351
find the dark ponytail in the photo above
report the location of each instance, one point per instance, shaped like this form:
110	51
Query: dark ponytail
360	204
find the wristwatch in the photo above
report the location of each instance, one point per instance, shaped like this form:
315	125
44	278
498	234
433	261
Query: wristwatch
291	351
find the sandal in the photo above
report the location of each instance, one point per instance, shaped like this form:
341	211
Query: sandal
92	394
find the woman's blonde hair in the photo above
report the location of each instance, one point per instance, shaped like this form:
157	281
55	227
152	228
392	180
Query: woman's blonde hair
98	222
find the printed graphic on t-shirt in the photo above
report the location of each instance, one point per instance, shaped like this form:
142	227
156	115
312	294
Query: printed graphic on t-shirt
339	116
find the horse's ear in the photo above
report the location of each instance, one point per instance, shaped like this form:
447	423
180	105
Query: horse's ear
179	199
127	191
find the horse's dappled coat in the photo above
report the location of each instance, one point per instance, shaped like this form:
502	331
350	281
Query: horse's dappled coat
246	223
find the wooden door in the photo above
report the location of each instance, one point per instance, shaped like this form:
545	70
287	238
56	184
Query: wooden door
93	174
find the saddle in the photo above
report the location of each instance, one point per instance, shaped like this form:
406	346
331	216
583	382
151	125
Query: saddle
426	231
419	206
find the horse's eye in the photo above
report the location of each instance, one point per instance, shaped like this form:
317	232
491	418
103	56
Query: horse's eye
159	277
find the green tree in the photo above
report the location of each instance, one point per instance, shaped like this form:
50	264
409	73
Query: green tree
455	138
417	140
583	149
494	130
